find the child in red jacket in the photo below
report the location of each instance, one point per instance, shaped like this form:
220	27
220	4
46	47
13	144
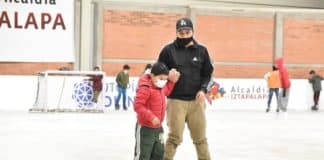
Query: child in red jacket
149	104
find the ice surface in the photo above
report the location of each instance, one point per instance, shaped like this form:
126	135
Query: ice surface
232	135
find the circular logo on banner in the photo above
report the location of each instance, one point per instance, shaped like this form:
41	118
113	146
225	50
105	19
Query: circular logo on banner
83	94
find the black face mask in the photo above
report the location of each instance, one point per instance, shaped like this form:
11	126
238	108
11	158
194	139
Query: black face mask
184	41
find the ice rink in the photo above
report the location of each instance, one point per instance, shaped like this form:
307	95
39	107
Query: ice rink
232	135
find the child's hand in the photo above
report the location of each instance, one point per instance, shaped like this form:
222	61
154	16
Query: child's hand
155	121
174	75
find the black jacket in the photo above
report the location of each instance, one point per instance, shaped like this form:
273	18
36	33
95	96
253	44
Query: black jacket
315	80
194	65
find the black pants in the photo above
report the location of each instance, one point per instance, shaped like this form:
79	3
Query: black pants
149	143
316	97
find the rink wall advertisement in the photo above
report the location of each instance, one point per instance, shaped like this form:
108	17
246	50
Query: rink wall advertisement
20	92
37	30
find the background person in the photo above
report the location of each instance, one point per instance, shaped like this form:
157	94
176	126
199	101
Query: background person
122	80
285	84
316	81
96	84
274	83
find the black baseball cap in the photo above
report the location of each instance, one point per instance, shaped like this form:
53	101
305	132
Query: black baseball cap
159	68
184	23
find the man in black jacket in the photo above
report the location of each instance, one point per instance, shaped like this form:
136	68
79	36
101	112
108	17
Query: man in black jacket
186	104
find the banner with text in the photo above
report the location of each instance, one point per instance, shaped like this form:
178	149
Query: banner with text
37	30
77	92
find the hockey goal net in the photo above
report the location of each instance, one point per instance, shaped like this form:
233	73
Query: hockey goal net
67	91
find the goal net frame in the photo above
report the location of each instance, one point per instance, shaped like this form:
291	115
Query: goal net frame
42	103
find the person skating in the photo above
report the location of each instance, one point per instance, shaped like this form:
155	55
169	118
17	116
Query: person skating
316	81
273	80
122	80
186	103
96	84
149	104
285	84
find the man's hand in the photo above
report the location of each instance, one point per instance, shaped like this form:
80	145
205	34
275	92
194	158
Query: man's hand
173	75
200	97
155	121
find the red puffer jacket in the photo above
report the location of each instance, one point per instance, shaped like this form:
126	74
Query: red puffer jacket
149	101
285	82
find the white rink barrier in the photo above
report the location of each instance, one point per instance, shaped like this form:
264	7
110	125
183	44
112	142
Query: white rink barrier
19	93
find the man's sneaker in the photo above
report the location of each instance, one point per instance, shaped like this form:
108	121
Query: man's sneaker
268	109
277	110
125	108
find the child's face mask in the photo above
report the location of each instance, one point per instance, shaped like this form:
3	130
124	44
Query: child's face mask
161	83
